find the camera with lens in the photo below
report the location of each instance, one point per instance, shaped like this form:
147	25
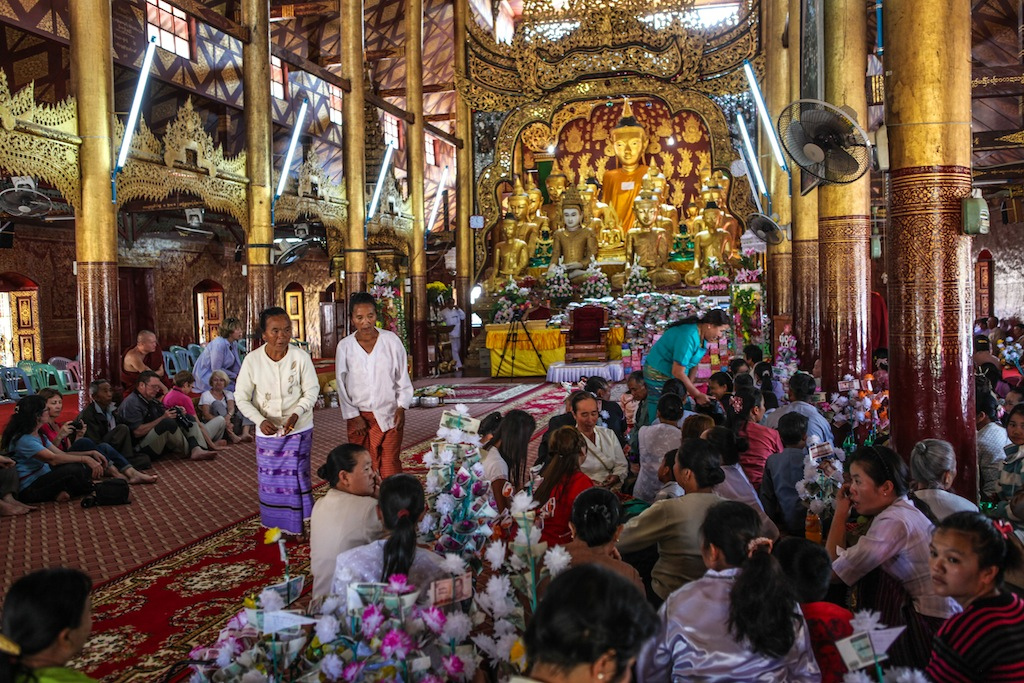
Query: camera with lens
183	419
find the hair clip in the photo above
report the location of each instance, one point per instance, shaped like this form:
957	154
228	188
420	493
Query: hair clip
8	646
759	542
737	404
1003	527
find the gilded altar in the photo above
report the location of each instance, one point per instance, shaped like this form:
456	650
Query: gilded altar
569	107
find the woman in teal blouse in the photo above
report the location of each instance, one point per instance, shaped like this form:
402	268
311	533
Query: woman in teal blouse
677	353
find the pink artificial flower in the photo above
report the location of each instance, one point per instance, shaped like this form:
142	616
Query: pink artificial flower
373	617
396	643
399	583
433	618
453	666
352	671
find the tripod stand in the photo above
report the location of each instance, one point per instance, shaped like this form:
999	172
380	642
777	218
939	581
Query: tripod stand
512	339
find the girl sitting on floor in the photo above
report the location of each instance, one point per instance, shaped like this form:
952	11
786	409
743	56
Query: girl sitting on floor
400	509
562	482
743	415
969	554
896	542
740	621
47	617
504	458
45	472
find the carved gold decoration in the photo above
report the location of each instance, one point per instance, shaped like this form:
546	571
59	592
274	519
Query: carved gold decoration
538	137
154	171
316	197
40	140
580	97
595	38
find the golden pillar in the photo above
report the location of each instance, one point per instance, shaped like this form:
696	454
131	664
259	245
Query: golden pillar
928	115
417	167
96	222
804	214
776	82
844	224
464	179
354	132
259	150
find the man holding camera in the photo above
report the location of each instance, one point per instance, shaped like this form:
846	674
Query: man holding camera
157	430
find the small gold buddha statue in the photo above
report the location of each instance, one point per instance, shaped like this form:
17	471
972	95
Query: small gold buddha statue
510	255
603	221
647	244
711	242
556	184
717	190
541	254
519	206
623	184
574	245
668	215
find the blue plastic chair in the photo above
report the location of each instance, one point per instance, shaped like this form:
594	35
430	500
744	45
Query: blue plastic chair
194	351
29	368
181	355
171	364
11	379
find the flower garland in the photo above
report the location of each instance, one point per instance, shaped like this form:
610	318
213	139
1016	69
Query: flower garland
596	285
388	296
746	303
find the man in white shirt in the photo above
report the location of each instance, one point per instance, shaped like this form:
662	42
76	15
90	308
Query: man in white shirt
374	388
453	317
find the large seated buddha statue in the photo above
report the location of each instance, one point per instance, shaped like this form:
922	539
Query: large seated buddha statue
712	242
622	185
510	255
573	244
647	244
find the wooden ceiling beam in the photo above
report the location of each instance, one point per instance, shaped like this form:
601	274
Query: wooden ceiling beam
430	88
997	81
987	174
985	141
214	19
440	117
302	9
310	67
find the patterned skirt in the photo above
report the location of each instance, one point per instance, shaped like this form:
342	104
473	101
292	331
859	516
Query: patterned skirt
285	485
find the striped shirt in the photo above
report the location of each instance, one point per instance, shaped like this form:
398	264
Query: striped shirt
982	643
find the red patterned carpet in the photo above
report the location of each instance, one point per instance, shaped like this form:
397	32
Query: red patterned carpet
172	567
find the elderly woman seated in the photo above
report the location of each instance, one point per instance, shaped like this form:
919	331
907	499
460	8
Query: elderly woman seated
219	401
932	470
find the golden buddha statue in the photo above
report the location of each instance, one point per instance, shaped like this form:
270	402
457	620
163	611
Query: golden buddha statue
519	206
510	255
556	184
713	242
716	189
668	215
541	253
604	222
574	245
623	184
647	244
693	222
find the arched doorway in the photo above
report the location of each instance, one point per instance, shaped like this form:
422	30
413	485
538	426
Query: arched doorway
208	296
20	337
295	305
984	284
332	321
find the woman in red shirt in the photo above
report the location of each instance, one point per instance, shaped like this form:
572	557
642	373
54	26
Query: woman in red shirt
563	481
745	410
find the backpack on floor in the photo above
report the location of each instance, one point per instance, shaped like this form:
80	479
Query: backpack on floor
108	492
